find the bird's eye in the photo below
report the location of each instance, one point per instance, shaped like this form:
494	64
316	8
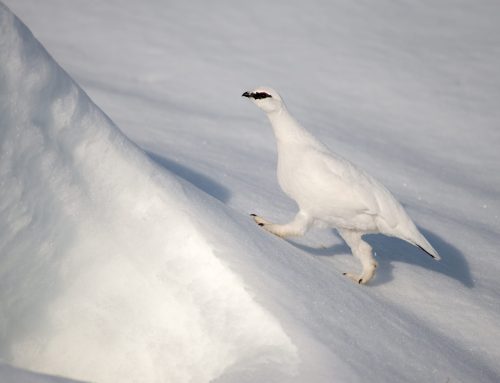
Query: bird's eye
260	95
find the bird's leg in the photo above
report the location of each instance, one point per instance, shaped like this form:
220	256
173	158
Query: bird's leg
363	251
297	227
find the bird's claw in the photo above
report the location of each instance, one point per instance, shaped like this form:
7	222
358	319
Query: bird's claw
265	224
356	278
258	220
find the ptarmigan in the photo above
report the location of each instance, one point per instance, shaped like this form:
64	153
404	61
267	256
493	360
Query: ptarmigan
330	191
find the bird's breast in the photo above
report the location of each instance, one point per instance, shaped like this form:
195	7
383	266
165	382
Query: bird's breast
298	177
325	193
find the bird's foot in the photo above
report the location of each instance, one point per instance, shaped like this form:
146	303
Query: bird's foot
266	225
355	278
365	277
259	220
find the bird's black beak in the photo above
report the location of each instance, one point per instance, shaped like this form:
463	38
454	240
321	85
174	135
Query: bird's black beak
246	94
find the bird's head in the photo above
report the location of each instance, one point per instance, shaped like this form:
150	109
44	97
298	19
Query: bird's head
265	98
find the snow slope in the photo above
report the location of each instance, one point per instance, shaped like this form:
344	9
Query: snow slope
10	374
105	276
114	269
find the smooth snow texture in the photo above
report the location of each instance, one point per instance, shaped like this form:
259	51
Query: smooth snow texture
9	374
412	88
104	275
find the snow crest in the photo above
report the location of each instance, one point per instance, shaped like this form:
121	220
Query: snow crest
104	276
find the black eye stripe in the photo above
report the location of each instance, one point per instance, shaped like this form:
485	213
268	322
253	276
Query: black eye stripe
260	95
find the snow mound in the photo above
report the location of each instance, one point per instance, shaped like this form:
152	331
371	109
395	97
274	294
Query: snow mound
103	274
9	374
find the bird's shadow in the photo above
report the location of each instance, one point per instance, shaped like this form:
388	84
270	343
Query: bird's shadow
201	181
390	250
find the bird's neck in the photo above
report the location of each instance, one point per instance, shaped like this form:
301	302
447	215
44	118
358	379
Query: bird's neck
288	131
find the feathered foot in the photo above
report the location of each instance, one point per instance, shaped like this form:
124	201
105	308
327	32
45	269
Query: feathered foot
297	227
363	251
366	275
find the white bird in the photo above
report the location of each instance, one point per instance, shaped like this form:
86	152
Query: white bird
330	191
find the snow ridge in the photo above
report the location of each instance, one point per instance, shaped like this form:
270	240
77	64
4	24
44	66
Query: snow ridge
104	276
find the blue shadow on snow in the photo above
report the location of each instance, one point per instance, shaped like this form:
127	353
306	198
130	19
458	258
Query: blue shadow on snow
452	264
199	180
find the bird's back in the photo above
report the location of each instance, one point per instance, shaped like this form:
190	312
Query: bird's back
336	191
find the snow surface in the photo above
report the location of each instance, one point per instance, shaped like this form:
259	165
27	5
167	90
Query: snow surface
9	374
139	263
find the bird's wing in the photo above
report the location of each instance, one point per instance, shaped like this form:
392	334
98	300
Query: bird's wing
353	187
368	196
375	197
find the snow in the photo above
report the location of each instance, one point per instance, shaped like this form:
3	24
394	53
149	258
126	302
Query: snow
134	259
101	250
10	374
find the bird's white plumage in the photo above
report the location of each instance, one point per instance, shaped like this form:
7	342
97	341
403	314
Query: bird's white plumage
330	191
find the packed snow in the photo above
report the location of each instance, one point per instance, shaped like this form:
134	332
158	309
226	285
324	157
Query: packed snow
9	374
127	254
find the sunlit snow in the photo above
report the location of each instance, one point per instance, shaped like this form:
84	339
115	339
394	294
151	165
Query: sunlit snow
126	250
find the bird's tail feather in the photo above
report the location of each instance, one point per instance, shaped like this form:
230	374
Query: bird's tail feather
434	255
426	247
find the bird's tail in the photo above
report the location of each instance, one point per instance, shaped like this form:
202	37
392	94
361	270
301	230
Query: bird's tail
421	242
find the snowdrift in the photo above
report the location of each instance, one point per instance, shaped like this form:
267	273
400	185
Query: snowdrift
113	269
9	374
104	275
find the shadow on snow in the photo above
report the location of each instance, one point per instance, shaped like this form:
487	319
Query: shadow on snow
201	181
452	264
